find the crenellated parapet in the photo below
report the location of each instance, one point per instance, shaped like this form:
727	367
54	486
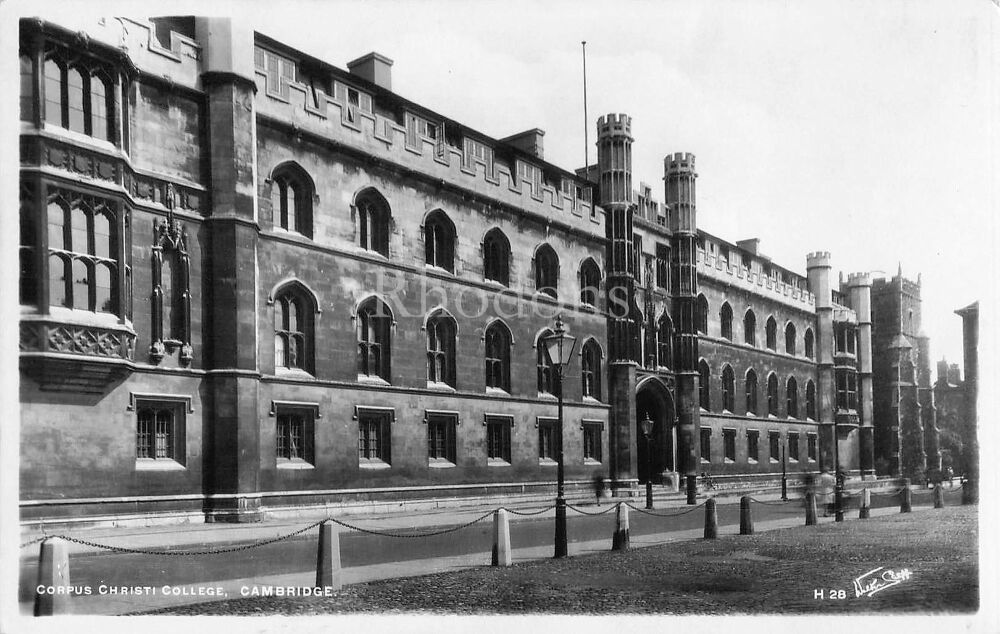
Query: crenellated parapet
330	121
678	163
716	267
614	125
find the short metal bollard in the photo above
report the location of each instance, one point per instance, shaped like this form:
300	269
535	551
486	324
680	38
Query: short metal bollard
865	510
746	516
501	539
810	509
711	520
938	497
906	504
53	571
620	541
328	573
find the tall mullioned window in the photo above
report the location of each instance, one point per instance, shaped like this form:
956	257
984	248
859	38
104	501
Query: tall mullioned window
291	331
441	331
701	315
374	218
704	389
374	346
771	333
439	241
728	388
543	365
496	257
751	392
810	400
83	249
810	344
292	197
498	341
726	321
790	339
590	369
665	342
79	97
772	395
792	397
159	431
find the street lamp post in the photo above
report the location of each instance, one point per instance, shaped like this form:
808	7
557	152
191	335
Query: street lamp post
647	431
559	346
784	471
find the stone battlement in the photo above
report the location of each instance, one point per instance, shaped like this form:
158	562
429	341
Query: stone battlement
859	279
334	121
717	268
679	162
818	259
614	124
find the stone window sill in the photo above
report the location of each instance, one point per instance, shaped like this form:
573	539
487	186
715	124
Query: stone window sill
373	464
150	464
294	464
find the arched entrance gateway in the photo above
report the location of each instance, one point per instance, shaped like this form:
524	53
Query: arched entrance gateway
654	399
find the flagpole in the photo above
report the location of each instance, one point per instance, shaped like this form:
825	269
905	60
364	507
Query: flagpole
586	119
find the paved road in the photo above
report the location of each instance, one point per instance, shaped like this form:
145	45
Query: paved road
298	555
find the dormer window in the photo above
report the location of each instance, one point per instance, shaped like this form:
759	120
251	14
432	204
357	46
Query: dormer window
478	152
278	70
529	175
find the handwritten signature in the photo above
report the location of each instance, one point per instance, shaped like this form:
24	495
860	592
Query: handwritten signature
879	579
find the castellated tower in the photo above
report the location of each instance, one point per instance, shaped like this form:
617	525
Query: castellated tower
859	287
818	272
614	160
679	195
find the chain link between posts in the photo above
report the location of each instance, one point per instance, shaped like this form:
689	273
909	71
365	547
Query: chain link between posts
582	512
676	514
451	529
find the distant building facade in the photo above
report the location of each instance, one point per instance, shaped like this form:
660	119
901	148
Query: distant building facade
253	282
907	438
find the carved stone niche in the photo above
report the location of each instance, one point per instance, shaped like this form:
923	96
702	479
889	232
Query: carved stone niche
171	292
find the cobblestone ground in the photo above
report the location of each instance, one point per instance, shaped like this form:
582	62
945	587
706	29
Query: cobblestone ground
773	572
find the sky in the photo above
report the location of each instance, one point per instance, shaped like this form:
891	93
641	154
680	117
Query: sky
865	129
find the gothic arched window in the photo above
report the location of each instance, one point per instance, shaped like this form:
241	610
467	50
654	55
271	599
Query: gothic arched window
498	341
810	344
590	282
701	315
810	400
374	324
590	369
728	388
772	395
496	257
726	321
790	338
750	328
704	389
374	219
771	334
751	392
439	241
441	331
293	338
792	398
292	194
665	342
547	271
543	365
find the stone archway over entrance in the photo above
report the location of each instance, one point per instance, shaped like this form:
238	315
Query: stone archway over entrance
653	398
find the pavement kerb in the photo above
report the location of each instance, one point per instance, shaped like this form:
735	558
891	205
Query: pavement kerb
195	536
109	604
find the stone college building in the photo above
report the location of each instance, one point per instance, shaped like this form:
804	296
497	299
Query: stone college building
253	282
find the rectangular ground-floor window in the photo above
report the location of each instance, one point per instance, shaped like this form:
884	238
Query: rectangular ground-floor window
592	432
706	445
159	432
294	438
793	446
441	444
374	437
774	445
498	439
547	441
729	444
753	438
811	440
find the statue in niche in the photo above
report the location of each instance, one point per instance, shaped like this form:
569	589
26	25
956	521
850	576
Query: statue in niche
171	296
